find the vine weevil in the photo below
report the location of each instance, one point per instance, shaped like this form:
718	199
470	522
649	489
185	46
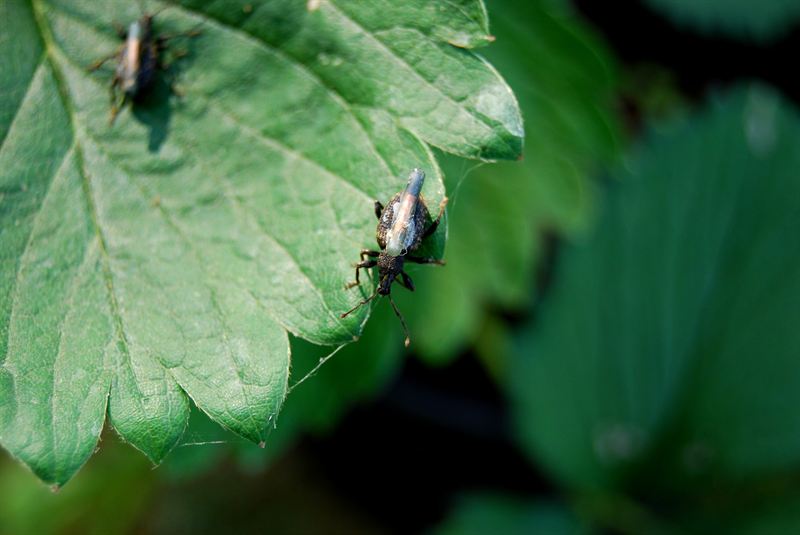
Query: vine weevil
402	226
138	59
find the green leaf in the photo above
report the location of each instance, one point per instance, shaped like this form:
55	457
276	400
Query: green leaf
111	495
476	514
329	382
565	80
670	338
779	515
763	20
166	257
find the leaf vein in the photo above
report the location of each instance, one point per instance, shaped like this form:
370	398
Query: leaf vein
28	87
251	38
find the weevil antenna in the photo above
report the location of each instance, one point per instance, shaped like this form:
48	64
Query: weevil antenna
402	321
362	303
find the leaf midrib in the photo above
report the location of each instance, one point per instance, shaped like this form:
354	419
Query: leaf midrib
119	326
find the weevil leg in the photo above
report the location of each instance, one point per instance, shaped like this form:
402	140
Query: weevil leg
424	260
176	55
176	90
365	264
431	229
368	252
402	321
166	66
359	305
378	209
162	40
406	281
100	62
113	116
114	105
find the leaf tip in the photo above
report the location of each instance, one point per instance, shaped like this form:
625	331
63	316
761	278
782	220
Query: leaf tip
507	146
262	444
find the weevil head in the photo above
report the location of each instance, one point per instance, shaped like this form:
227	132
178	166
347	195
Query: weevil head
389	267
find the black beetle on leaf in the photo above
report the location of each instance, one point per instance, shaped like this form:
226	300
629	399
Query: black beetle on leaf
402	226
138	60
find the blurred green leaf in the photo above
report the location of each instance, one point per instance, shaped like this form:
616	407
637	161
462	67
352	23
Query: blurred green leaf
761	20
666	355
479	514
109	496
781	515
565	81
167	257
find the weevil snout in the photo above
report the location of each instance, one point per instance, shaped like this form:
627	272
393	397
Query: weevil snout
385	284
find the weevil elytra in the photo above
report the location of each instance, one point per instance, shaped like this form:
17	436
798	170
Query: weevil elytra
138	59
403	224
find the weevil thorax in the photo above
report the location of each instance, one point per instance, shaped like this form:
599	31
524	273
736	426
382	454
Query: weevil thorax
389	267
402	232
128	69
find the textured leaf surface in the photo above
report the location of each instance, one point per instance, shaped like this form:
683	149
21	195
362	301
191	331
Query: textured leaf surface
169	255
565	81
764	19
673	331
349	375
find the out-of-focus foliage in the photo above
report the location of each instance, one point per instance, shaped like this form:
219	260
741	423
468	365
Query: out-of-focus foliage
664	362
118	492
107	497
565	80
478	514
167	257
750	19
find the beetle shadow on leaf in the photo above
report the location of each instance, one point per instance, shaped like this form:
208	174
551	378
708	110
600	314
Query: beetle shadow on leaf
154	109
